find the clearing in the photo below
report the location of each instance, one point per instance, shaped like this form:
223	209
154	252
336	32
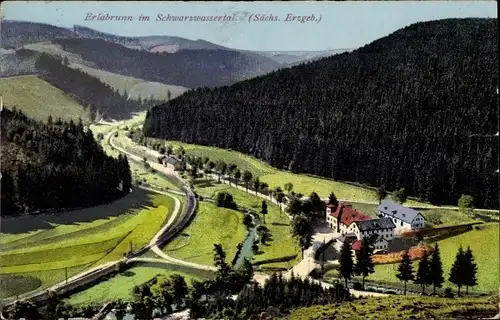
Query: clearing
39	99
36	250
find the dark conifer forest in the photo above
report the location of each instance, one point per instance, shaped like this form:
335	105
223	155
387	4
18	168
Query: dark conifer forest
87	89
398	111
188	68
55	165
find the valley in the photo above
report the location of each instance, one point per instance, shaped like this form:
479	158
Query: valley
149	175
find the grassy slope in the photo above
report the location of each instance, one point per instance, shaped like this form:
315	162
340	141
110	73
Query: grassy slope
136	88
38	99
282	243
304	184
398	307
210	225
76	244
485	248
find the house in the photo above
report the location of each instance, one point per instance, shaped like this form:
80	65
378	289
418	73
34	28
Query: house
354	224
342	217
350	237
379	231
172	162
403	217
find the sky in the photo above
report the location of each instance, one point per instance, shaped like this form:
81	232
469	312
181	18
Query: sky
335	25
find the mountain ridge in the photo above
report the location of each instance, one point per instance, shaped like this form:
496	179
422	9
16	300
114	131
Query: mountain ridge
397	111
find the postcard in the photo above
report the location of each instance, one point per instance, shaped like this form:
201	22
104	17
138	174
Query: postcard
249	160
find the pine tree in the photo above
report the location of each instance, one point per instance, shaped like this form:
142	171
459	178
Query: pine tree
346	269
405	269
470	270
423	276
364	264
381	193
332	199
436	269
457	272
263	210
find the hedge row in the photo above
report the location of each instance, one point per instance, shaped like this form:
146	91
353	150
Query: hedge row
280	259
273	269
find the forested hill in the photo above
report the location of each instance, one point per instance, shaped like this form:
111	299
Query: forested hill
17	33
397	111
55	165
188	68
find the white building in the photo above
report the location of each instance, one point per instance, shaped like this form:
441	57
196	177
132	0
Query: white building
403	217
380	231
354	224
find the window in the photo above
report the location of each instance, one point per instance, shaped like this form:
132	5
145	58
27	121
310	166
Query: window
401	223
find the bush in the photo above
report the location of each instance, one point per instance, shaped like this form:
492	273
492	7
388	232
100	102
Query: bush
280	259
225	200
357	286
448	293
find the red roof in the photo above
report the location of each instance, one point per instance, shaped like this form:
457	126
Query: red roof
348	214
356	245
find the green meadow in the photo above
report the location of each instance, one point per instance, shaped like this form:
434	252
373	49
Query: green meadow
210	225
36	250
281	243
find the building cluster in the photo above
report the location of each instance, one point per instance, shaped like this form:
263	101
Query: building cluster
355	226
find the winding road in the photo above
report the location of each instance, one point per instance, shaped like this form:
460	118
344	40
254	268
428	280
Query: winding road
302	269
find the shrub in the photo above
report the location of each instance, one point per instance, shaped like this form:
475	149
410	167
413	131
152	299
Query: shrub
448	293
225	200
357	286
280	259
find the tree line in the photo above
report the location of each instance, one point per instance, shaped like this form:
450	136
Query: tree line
401	111
55	165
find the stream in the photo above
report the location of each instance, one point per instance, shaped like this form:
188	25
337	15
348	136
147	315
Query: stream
246	250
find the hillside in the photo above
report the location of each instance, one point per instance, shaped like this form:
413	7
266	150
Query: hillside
39	99
398	111
58	164
17	33
101	98
187	68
